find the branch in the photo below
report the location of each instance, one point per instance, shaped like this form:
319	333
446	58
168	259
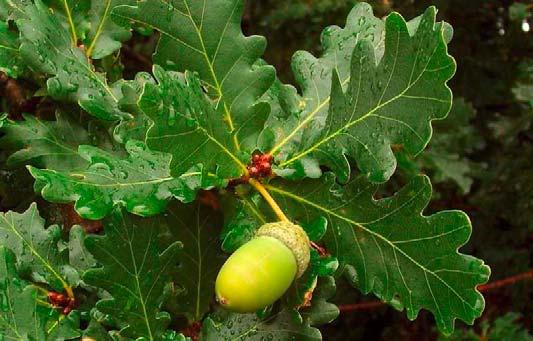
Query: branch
526	276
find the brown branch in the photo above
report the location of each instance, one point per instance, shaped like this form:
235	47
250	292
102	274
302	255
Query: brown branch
12	91
18	99
70	218
130	53
526	276
507	281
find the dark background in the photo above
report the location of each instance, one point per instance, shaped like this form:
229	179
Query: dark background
494	56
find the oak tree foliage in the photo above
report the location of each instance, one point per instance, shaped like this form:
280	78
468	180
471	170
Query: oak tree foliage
163	160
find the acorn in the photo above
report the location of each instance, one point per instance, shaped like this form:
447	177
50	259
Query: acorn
261	271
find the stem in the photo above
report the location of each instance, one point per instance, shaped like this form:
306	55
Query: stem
273	204
44	303
526	276
69	291
71	24
42	290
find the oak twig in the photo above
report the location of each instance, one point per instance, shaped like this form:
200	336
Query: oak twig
363	306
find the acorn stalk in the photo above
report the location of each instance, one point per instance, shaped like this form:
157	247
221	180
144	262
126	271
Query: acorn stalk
261	271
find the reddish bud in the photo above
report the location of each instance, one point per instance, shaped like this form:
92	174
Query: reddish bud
267	158
254	171
264	165
58	299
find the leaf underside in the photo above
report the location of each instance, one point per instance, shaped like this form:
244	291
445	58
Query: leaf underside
197	227
134	271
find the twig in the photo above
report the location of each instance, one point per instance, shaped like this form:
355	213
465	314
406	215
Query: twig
146	63
507	281
483	288
12	91
268	198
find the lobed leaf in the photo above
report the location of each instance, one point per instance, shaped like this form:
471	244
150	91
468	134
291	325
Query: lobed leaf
47	47
50	144
454	137
36	248
321	311
134	271
286	324
389	248
23	313
388	100
142	182
197	227
105	35
206	37
314	76
186	126
10	59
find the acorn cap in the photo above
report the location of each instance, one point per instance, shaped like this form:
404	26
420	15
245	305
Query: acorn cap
294	237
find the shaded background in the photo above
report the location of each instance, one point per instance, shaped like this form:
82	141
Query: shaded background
480	159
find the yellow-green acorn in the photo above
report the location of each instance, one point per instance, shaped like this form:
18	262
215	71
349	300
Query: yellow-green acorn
260	271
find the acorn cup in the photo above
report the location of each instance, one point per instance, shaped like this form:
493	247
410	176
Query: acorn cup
261	271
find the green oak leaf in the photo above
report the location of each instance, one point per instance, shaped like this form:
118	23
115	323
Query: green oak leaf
105	36
10	9
36	248
243	218
186	125
87	22
389	248
286	324
50	144
96	331
206	37
62	327
455	136
24	313
134	271
506	327
314	76
10	59
142	182
79	257
289	110
19	315
303	288
197	227
73	16
137	128
321	311
47	47
387	101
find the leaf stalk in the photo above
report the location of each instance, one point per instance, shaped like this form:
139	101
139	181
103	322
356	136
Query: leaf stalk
269	199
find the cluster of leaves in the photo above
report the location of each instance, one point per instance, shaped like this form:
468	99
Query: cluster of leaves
506	327
148	156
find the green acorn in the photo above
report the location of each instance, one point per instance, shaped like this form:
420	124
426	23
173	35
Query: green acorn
260	271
